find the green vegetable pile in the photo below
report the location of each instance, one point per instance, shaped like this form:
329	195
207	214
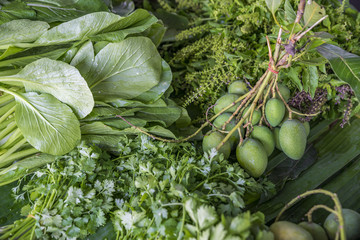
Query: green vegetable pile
149	190
99	82
104	103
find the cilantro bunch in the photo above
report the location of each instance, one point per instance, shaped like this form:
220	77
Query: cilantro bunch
145	188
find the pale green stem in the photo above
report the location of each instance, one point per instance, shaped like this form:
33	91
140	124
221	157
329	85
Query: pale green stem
8	129
4	158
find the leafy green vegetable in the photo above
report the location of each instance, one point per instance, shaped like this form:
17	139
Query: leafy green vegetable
46	123
30	31
58	79
345	65
150	190
125	70
49	10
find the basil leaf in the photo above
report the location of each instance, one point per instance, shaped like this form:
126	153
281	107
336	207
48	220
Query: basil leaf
345	65
47	124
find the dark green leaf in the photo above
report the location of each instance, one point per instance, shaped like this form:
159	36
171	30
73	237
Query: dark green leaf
294	77
314	79
345	65
335	150
290	14
290	169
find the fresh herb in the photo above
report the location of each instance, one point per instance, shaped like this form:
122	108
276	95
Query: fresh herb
151	189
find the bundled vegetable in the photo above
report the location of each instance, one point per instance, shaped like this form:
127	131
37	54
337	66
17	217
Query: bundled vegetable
260	116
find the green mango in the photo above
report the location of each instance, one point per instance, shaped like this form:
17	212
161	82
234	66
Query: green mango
225	101
265	136
316	231
274	111
307	128
212	139
292	137
284	230
238	87
255	118
351	222
219	123
276	137
252	156
284	91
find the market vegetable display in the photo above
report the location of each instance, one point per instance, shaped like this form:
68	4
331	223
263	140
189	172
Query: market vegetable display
177	119
94	69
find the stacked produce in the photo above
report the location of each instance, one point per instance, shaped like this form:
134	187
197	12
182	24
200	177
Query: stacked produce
253	152
103	110
49	104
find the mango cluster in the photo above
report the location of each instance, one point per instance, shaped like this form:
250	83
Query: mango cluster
287	135
284	230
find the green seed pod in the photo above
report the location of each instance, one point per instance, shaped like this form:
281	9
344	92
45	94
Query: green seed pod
219	123
255	118
238	87
292	137
351	222
212	139
265	136
274	111
225	101
284	230
276	138
252	157
316	231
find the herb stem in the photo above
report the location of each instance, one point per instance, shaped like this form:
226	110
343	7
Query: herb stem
182	224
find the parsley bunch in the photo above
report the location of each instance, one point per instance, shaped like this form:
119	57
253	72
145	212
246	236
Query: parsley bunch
145	188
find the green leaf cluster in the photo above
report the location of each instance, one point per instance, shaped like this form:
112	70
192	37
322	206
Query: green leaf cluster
226	41
53	76
149	190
